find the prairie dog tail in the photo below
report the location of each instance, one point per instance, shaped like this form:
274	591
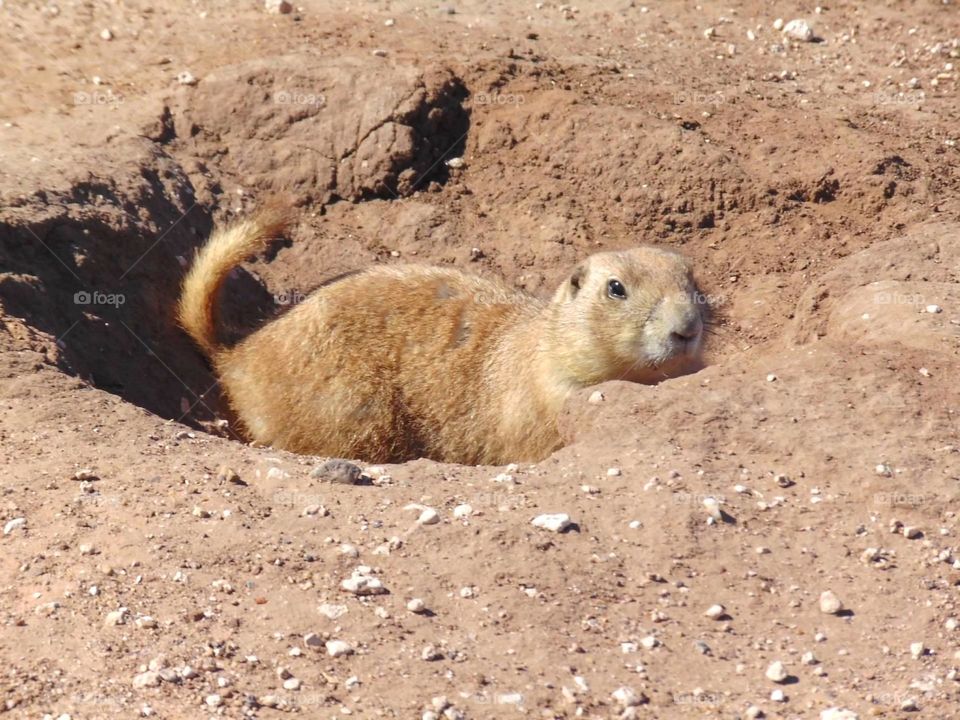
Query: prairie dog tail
227	247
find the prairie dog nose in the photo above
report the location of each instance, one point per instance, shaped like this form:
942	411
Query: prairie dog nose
687	325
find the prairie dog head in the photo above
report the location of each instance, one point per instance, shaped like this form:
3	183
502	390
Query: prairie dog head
632	315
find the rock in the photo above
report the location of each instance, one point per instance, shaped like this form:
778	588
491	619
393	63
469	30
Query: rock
291	684
47	609
808	658
627	697
15	524
186	78
313	641
362	583
456	162
146	622
331	611
614	472
799	30
278	7
417	605
911	533
117	617
462	511
830	603
917	650
430	653
596	397
554	522
934	309
712	506
776	672
106	34
339	648
836	713
213	700
715	612
428	516
778	24
338	472
650	642
778	695
150	678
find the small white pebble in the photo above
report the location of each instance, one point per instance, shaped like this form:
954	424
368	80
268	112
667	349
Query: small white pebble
339	648
933	309
776	672
554	522
417	605
715	612
830	603
15	524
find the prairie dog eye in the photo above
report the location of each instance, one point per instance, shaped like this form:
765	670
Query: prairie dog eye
616	290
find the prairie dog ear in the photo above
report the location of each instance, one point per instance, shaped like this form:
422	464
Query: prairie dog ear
575	282
572	285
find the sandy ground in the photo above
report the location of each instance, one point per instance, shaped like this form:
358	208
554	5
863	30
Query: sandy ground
152	565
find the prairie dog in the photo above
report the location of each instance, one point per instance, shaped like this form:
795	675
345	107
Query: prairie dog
397	362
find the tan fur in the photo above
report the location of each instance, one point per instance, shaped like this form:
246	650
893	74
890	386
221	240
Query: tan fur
394	363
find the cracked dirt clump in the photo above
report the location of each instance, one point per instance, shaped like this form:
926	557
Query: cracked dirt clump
333	128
